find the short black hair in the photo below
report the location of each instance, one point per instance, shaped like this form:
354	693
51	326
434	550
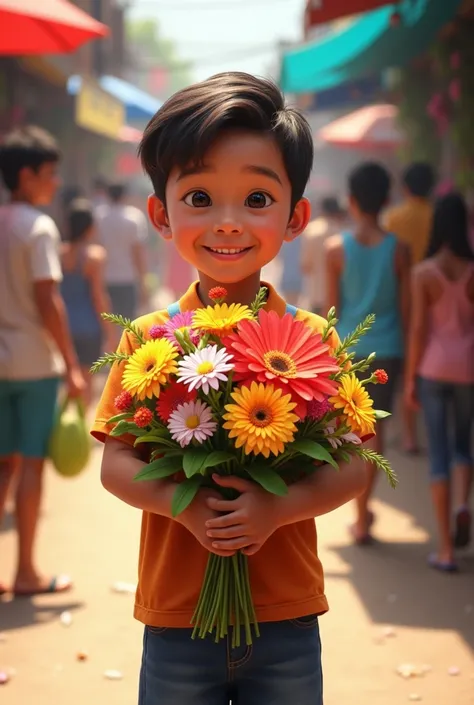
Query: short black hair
116	192
419	179
80	218
28	146
185	127
451	227
369	186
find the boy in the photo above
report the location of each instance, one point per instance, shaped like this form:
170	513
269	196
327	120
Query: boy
35	345
229	164
411	222
368	271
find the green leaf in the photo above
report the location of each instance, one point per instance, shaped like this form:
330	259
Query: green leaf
268	479
124	427
121	417
126	324
160	468
380	462
345	456
184	494
156	438
217	457
379	414
193	461
108	359
314	450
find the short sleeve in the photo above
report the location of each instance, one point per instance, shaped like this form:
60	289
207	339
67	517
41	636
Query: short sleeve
44	251
101	428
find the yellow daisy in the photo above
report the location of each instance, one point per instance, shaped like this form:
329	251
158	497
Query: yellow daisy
353	398
149	368
220	319
261	420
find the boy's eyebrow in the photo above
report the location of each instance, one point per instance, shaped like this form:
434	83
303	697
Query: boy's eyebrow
191	170
263	171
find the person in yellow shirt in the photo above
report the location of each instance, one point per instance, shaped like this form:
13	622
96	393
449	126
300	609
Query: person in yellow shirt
411	222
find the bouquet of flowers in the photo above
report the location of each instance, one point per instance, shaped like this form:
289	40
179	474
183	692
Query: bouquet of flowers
236	390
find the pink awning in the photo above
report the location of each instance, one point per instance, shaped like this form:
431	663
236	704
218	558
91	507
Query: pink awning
371	127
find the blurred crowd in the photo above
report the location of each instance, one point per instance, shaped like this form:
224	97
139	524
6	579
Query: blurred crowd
412	265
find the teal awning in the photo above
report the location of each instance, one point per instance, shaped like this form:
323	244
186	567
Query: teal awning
369	45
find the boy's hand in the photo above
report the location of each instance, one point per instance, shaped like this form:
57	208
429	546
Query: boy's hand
195	518
249	520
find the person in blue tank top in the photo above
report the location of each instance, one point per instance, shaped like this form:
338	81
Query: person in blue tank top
368	271
83	288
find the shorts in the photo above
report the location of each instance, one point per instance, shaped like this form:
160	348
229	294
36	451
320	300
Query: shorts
27	412
383	395
124	299
88	348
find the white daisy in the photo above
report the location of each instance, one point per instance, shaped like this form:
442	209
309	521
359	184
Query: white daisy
337	441
191	420
205	368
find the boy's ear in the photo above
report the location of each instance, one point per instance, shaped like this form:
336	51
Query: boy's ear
158	217
299	219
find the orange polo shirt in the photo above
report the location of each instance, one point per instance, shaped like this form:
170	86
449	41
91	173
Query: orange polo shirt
286	574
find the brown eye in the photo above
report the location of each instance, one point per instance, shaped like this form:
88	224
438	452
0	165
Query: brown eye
259	199
197	199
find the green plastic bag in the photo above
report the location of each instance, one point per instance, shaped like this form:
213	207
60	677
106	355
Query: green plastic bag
70	444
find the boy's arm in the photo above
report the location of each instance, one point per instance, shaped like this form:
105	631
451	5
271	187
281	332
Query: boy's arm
121	462
256	514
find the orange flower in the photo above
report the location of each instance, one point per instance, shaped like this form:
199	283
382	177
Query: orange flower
286	353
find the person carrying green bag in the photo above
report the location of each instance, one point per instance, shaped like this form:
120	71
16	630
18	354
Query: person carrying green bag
69	448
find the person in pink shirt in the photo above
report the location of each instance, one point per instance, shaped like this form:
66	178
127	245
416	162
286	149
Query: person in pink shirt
440	370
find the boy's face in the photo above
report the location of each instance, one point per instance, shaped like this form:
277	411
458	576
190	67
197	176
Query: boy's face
230	218
39	186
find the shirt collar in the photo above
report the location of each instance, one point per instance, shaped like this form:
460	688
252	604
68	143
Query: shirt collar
190	300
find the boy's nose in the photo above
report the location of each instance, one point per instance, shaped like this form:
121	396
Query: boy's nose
228	225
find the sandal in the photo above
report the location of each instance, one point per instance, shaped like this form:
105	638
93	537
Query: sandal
364	539
57	584
442	566
462	533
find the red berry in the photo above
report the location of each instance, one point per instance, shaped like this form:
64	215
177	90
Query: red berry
381	376
157	332
217	293
124	401
143	417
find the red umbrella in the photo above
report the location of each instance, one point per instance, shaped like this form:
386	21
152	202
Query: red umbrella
368	128
322	11
46	27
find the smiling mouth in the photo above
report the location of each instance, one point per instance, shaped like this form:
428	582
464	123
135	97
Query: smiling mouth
228	250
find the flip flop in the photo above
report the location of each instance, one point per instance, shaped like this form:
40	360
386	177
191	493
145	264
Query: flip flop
462	533
442	566
57	584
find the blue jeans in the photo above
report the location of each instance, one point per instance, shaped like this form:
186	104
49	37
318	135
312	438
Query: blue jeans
445	404
282	666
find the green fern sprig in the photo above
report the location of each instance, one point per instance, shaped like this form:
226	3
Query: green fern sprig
259	301
331	323
126	324
108	359
354	337
382	464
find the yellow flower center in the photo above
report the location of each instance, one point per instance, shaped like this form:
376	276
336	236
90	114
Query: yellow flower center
279	363
192	421
204	368
261	416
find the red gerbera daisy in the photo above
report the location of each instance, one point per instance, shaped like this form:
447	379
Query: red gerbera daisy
286	353
171	398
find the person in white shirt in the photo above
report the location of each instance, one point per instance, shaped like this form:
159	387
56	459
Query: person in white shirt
36	349
331	221
122	230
